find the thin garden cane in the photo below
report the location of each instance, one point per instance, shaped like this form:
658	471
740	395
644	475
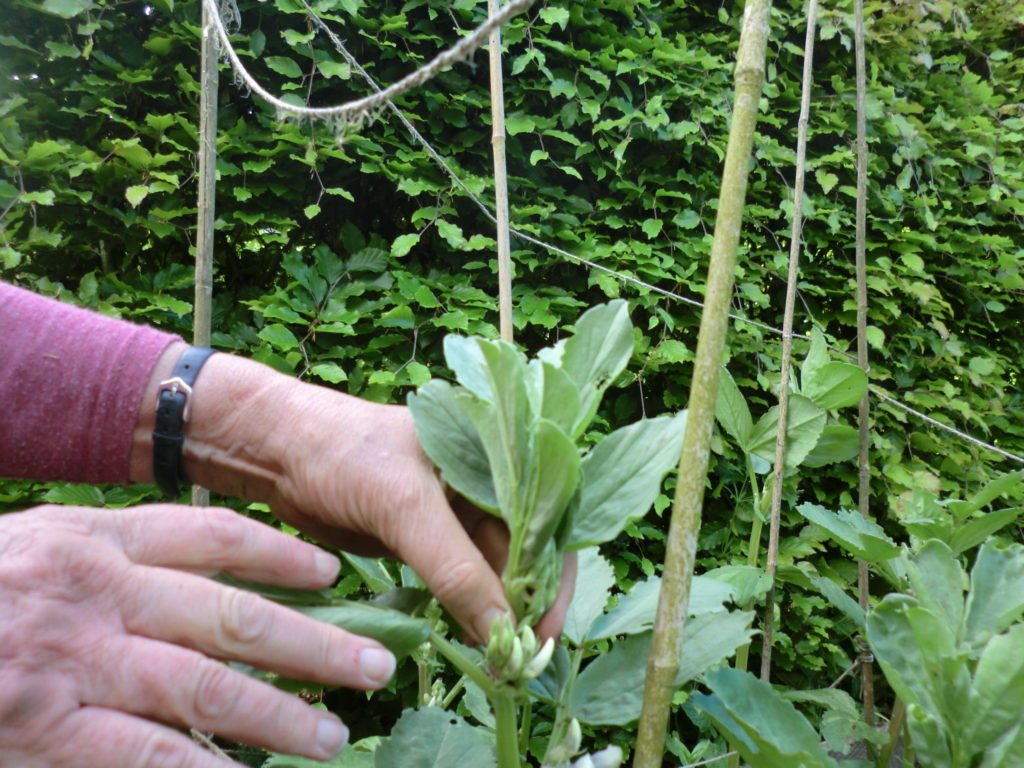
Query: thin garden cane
673	601
202	311
795	240
863	461
500	179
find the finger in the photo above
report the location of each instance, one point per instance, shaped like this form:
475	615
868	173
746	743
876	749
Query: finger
433	542
214	539
178	686
92	737
550	624
235	624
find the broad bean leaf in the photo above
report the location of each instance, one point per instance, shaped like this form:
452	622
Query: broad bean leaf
838	442
450	439
767	730
548	687
595	354
400	633
555	395
353	756
835	385
594	580
282	595
918	651
850	530
805	423
635	612
732	411
372	572
552	476
433	738
997	691
622	477
938	581
610	690
996	599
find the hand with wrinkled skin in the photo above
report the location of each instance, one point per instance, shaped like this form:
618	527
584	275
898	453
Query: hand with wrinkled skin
348	472
108	632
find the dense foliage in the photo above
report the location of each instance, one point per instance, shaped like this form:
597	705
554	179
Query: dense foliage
345	254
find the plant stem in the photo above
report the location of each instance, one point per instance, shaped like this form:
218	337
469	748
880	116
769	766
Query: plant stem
205	204
864	414
504	704
560	727
673	601
462	664
500	180
772	560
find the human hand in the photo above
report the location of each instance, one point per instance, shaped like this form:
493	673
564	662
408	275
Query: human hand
350	473
108	631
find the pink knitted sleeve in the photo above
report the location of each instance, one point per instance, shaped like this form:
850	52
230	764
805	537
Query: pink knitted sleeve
71	383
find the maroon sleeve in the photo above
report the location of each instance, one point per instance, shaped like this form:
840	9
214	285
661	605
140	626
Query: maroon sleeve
71	383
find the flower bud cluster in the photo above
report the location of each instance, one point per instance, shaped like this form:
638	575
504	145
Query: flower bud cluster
513	654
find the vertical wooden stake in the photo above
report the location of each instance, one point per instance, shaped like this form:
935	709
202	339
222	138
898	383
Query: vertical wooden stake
795	240
202	309
673	601
864	414
500	180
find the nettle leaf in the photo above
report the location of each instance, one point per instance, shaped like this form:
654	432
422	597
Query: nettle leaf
767	730
594	579
622	477
850	530
400	633
450	439
433	738
805	423
732	412
835	385
610	690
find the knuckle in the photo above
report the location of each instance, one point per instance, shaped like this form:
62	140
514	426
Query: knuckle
226	530
245	618
216	693
162	750
459	578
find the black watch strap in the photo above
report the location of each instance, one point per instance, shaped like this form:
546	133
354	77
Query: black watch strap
172	411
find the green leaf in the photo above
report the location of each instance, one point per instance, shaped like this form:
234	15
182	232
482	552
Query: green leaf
826	180
331	372
997	691
767	730
43	197
311	210
433	738
554	15
353	756
554	394
372	571
805	423
835	385
996	597
450	439
594	580
403	244
622	477
136	193
968	536
75	495
283	66
401	634
748	582
368	260
707	640
838	442
635	612
863	538
732	412
1010	483
937	580
551	480
279	337
67	9
652	227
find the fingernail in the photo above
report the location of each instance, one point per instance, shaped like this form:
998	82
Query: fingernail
327	566
377	664
331	736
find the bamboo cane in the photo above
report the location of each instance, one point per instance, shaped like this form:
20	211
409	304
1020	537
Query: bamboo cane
500	180
795	239
864	415
202	309
673	601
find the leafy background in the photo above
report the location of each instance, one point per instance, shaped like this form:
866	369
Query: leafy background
344	254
